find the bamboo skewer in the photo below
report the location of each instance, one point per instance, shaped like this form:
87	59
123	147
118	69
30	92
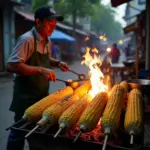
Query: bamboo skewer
34	129
105	142
60	129
78	135
131	139
14	124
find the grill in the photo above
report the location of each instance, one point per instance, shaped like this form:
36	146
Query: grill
43	138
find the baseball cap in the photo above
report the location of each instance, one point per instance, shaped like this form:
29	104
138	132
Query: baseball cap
44	12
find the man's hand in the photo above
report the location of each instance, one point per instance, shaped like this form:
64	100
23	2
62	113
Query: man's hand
49	74
63	66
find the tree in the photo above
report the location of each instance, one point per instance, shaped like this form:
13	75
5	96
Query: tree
104	21
37	3
75	8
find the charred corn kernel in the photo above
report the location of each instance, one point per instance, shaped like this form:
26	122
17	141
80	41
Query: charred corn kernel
51	114
133	115
124	84
73	113
83	89
34	112
93	112
113	88
112	112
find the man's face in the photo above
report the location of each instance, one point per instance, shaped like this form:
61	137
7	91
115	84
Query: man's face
47	26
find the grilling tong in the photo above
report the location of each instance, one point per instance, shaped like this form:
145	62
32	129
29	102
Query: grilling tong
74	83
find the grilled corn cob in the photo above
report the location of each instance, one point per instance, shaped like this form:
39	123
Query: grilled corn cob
83	89
111	116
133	116
51	114
93	112
34	112
73	113
124	84
113	108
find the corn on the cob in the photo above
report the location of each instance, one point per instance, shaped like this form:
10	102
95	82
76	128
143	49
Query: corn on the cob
133	116
113	88
83	89
51	114
34	112
124	84
93	112
73	113
113	108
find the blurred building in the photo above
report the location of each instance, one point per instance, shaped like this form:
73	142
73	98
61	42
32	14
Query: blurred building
134	11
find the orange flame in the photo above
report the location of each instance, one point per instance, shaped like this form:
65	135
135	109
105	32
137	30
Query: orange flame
95	73
87	38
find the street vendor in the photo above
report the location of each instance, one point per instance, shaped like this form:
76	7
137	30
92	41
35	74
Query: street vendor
30	60
115	53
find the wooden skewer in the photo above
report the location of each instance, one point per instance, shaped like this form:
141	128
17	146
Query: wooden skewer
34	129
105	142
78	135
131	139
60	129
14	124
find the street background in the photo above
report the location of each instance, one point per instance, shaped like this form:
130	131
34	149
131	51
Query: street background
6	89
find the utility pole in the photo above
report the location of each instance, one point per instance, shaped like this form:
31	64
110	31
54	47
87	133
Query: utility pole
147	65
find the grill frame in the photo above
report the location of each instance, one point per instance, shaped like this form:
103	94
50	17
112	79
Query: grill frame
42	140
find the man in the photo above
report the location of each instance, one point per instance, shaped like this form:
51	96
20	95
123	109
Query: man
115	53
30	60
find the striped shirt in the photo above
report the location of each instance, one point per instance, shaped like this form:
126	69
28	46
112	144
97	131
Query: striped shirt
24	47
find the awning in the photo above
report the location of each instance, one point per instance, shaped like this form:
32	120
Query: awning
61	37
116	3
30	16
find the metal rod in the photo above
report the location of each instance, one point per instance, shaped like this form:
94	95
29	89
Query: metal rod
78	135
73	71
14	124
105	142
60	129
131	139
25	125
27	135
61	80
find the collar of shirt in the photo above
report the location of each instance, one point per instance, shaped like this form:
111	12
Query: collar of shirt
39	38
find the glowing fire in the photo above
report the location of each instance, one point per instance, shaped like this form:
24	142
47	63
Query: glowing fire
96	76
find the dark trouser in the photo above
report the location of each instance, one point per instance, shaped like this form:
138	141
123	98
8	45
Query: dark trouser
16	139
115	59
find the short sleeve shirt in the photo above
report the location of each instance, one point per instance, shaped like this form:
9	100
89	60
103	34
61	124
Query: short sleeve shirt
24	47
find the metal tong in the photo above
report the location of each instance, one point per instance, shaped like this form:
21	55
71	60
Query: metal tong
81	76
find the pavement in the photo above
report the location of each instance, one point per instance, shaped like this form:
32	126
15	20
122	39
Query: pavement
6	89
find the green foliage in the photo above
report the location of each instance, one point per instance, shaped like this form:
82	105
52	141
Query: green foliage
104	21
82	8
102	16
37	3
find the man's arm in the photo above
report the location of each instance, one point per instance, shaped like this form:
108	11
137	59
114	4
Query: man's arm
54	62
23	69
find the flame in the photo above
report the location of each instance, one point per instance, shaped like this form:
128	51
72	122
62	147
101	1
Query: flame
87	38
96	76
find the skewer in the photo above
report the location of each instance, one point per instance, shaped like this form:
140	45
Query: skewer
14	124
27	135
78	135
60	129
105	142
131	139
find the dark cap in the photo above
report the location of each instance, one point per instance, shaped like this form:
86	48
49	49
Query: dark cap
44	12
